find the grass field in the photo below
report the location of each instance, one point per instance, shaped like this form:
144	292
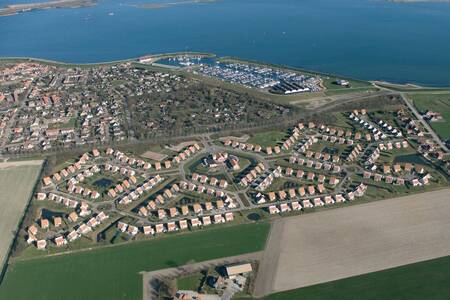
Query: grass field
191	282
267	139
113	272
17	181
424	280
437	103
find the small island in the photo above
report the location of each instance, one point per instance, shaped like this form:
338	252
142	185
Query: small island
420	1
155	5
20	8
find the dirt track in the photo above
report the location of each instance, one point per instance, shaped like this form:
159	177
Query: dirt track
339	243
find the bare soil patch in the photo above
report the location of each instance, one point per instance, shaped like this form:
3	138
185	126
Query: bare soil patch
181	146
154	155
241	139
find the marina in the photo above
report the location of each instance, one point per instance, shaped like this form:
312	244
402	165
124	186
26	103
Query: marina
302	34
253	76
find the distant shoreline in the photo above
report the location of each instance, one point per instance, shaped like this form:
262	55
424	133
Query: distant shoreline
14	9
157	5
419	1
135	60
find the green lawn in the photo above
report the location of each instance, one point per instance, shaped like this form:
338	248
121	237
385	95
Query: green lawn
388	157
328	82
113	272
425	280
191	282
267	139
69	124
437	103
283	183
341	121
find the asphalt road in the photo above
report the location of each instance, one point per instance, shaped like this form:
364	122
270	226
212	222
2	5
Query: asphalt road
424	123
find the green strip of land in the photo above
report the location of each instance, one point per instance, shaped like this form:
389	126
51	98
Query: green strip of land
113	272
425	280
436	102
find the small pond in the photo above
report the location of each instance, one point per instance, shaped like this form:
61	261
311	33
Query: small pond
411	158
254	217
103	182
48	214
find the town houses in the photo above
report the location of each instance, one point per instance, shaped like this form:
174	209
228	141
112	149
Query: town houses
109	191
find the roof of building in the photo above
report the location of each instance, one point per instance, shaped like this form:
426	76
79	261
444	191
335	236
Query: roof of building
238	269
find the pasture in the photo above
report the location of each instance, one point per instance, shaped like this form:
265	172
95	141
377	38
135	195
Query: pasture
17	181
438	103
114	272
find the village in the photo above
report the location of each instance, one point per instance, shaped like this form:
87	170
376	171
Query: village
53	108
131	154
224	150
107	195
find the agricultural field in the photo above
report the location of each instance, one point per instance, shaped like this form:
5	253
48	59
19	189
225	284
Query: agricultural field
113	272
17	182
423	280
354	240
438	103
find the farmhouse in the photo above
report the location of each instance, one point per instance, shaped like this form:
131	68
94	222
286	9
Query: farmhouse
238	269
